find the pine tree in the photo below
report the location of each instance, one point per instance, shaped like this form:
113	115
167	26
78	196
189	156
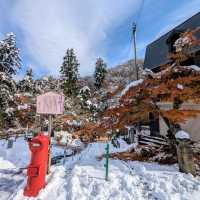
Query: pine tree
9	63
100	72
69	73
7	88
27	84
10	60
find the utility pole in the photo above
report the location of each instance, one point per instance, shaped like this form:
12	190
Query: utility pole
135	53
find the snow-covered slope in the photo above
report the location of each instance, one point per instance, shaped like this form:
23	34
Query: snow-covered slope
82	178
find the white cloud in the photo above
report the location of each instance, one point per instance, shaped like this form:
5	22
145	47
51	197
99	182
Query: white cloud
50	27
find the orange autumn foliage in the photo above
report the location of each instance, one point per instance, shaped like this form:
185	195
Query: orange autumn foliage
179	116
174	82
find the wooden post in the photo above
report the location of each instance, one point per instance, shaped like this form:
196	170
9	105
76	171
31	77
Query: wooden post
185	157
49	133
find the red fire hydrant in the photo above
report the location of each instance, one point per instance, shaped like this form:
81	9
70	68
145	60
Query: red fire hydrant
37	169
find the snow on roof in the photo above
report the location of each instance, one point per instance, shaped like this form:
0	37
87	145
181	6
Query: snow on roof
182	135
132	84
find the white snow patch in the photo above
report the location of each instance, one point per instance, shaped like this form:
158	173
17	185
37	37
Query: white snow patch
132	84
77	143
22	107
89	102
180	86
65	136
182	135
147	71
9	111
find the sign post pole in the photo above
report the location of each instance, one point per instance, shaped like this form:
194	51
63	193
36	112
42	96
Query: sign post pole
49	133
50	103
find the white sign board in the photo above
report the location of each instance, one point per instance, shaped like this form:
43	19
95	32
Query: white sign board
50	103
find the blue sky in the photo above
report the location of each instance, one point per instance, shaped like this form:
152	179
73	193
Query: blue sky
94	28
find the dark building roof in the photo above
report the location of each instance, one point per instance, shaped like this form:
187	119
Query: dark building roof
158	51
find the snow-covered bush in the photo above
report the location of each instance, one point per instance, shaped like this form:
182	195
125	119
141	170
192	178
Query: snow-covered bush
84	95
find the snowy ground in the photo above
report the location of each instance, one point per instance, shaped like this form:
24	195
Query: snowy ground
82	178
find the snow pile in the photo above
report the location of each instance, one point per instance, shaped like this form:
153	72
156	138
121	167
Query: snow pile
182	135
19	154
10	180
123	146
65	137
127	181
132	84
5	164
153	182
82	178
77	143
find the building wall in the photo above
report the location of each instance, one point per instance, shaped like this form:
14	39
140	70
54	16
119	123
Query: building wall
192	126
163	126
